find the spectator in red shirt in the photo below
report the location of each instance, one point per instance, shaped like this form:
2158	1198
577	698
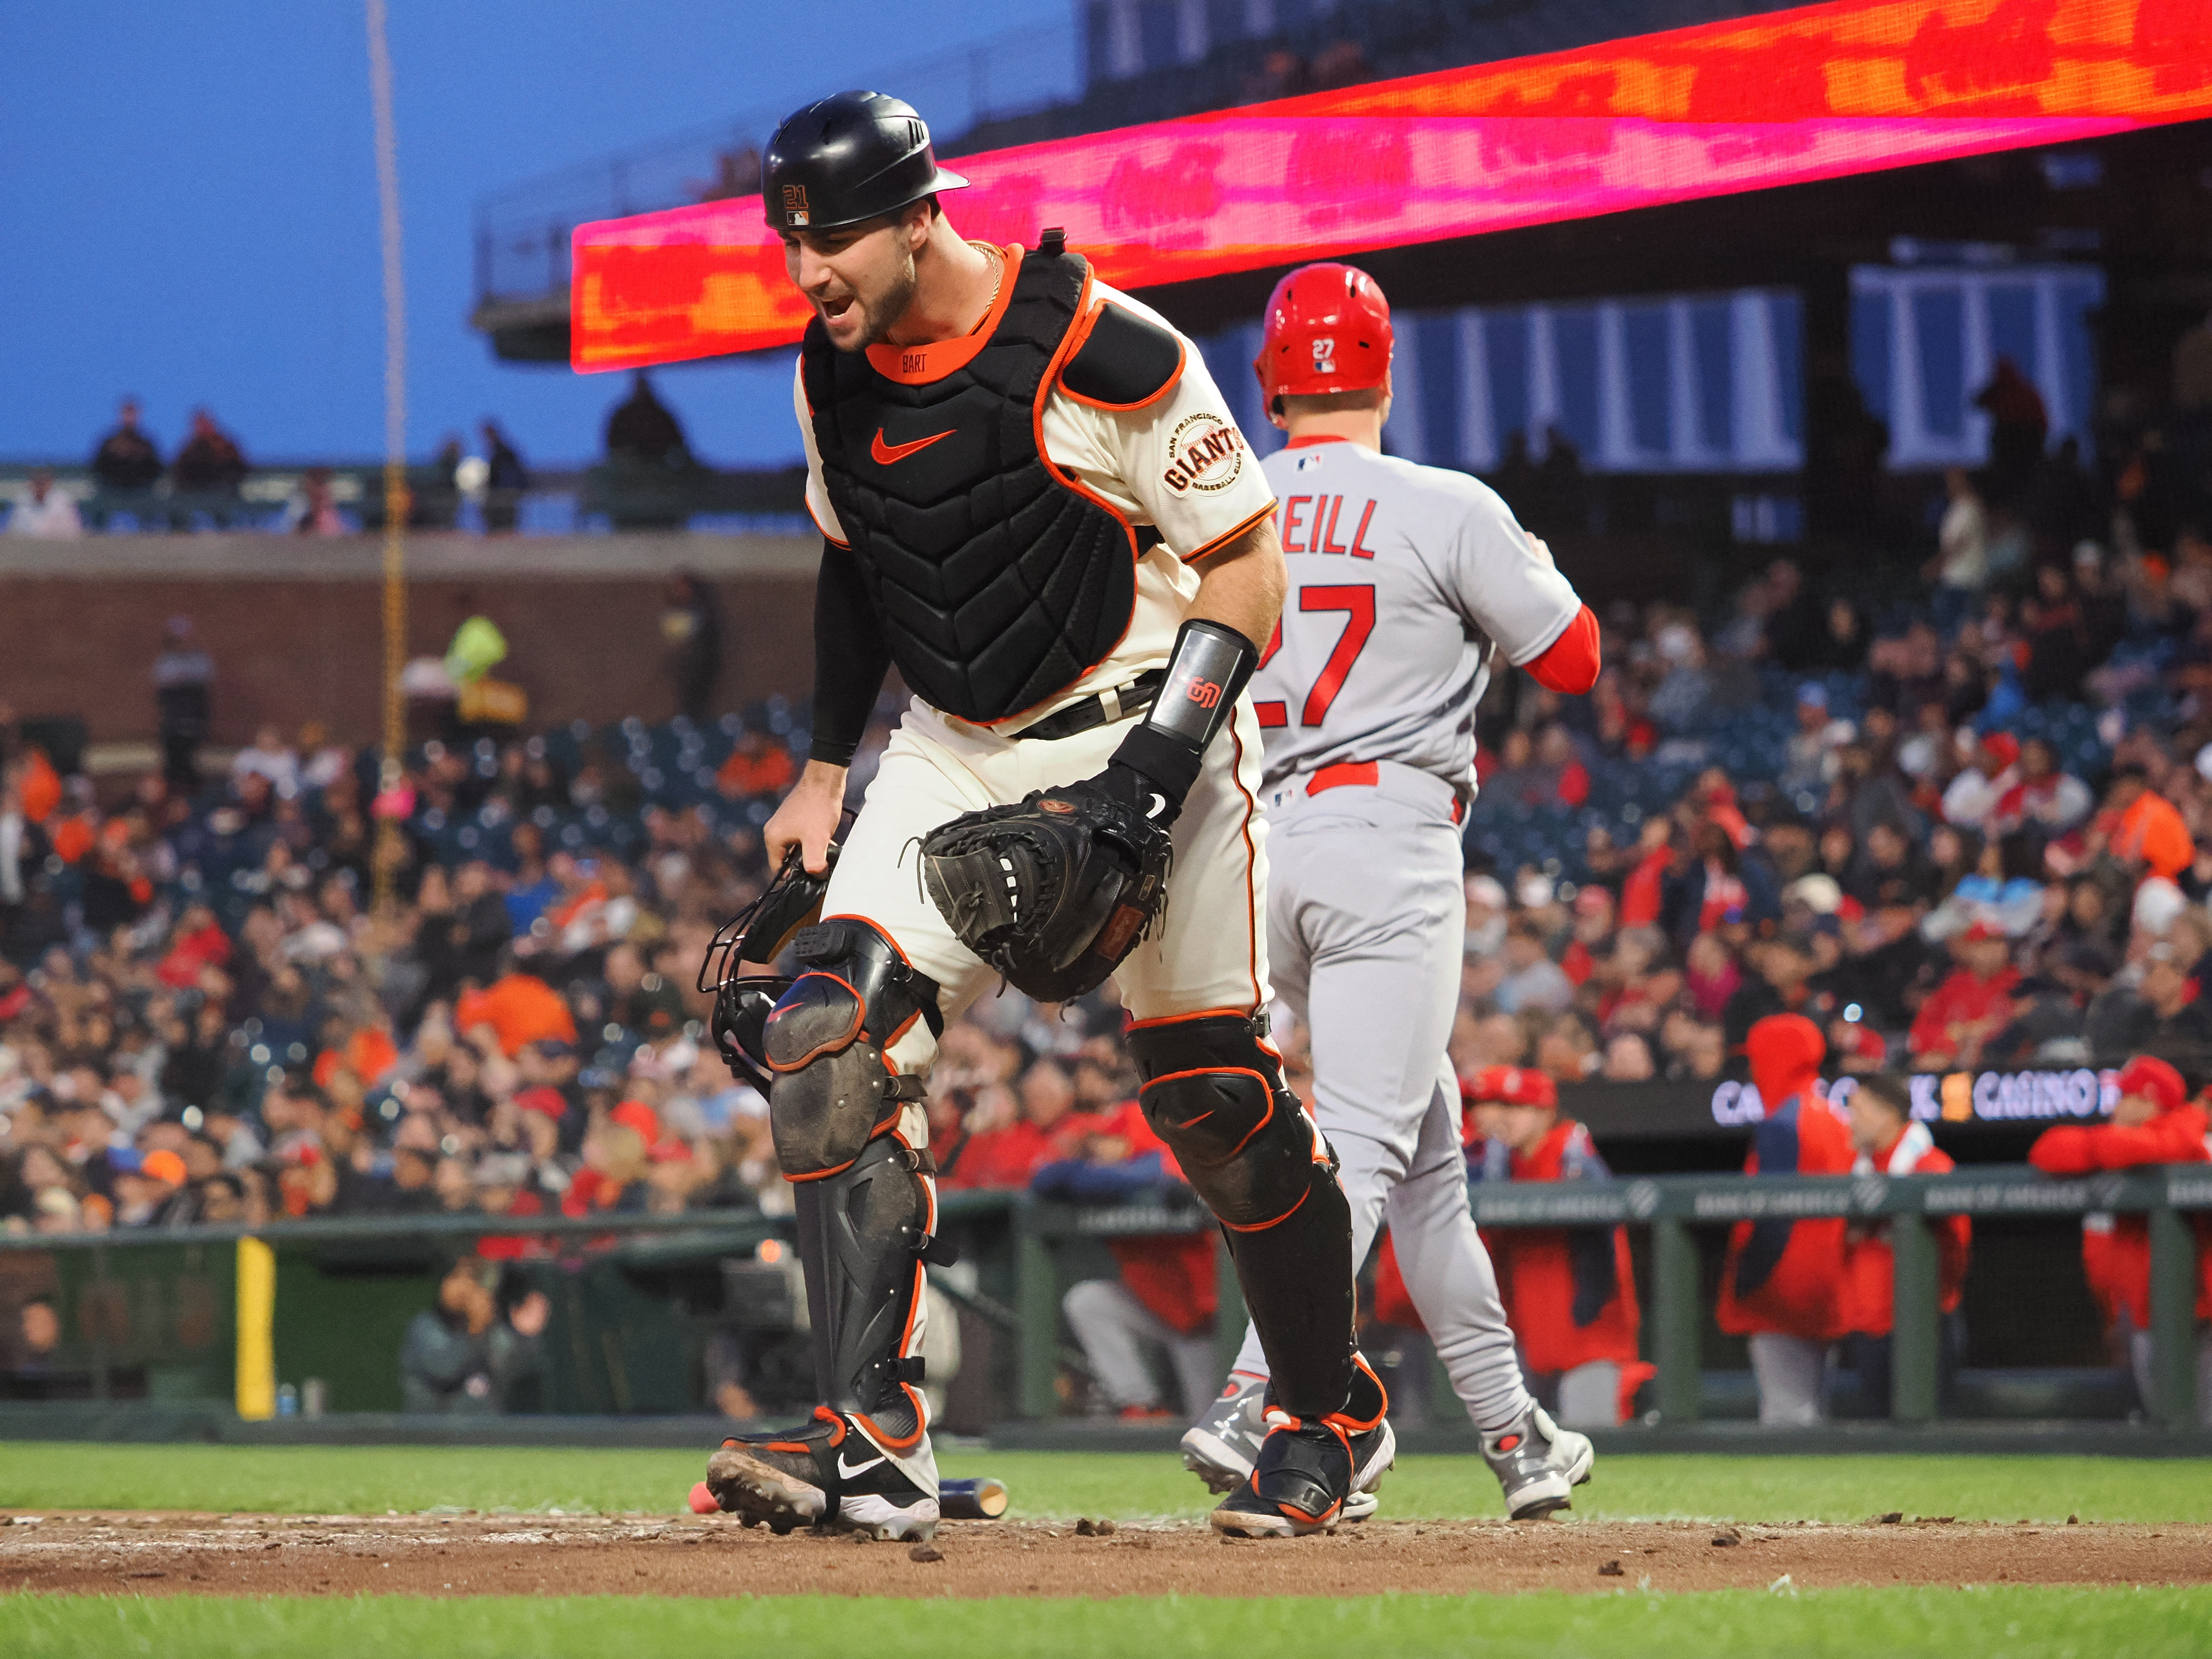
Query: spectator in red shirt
1888	1142
1048	1126
2153	1122
1163	1302
1974	1002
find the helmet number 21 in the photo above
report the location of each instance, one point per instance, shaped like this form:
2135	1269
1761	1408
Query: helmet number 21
1357	603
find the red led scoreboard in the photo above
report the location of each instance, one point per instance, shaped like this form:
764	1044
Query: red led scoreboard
1815	92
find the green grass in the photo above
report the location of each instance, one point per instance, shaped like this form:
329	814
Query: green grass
2011	1623
366	1479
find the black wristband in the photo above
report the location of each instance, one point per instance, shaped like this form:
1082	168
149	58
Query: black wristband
1207	673
1171	764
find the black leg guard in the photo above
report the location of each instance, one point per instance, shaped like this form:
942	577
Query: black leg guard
860	1169
1213	1092
861	1232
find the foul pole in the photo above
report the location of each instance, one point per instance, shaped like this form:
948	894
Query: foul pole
396	504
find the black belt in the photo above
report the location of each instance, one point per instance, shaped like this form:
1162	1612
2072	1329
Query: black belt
1117	703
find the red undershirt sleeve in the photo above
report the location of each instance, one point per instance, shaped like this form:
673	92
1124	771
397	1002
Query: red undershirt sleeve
1569	663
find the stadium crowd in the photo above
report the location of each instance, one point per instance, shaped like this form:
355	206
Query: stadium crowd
1969	826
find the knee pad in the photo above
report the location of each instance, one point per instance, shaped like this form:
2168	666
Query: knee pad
832	1089
1213	1092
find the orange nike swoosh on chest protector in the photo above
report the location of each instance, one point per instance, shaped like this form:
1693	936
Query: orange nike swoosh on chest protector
883	454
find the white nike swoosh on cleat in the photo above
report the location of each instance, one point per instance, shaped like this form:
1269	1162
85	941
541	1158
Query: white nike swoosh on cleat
1159	806
847	1471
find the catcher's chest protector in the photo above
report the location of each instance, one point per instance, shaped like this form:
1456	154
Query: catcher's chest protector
997	583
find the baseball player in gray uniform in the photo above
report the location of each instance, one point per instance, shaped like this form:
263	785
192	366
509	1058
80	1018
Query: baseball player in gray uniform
1406	582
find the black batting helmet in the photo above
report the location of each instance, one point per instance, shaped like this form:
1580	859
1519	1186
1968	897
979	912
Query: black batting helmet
855	156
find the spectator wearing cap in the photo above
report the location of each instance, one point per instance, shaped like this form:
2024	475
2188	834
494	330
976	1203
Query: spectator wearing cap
149	1188
1887	1142
519	1009
2153	1122
1486	906
1974	1002
1971	801
1809	763
1570	1294
1781	1284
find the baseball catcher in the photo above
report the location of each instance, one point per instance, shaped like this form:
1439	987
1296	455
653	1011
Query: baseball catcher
1034	501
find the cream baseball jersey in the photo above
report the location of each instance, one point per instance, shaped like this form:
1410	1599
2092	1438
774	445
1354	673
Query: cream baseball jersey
1179	465
1402	579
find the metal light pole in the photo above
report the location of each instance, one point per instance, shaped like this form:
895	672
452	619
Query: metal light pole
396	504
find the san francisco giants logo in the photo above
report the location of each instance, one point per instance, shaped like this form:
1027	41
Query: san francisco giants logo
1207	694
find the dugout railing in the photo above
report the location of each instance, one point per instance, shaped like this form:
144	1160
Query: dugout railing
157	1314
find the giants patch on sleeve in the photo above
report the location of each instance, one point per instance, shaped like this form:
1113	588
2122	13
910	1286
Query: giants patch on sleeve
1206	453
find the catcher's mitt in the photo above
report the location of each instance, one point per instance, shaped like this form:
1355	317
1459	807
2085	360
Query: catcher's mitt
1053	892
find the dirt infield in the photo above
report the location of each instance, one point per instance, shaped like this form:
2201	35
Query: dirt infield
474	1555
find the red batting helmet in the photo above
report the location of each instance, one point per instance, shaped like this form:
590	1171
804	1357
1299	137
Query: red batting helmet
1327	330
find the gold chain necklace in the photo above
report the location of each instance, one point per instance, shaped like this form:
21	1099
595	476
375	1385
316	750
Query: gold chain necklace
997	275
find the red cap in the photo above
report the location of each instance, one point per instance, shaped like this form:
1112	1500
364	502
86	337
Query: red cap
541	1099
1510	1085
2156	1081
2003	746
1981	933
636	1115
1327	330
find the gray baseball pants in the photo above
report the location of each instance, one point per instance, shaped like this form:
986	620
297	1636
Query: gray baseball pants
1119	1334
1366	924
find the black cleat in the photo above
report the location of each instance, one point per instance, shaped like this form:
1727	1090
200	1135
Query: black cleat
1224	1445
785	1481
1298	1484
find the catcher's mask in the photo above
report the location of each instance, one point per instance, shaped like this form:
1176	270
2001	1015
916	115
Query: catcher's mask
758	933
